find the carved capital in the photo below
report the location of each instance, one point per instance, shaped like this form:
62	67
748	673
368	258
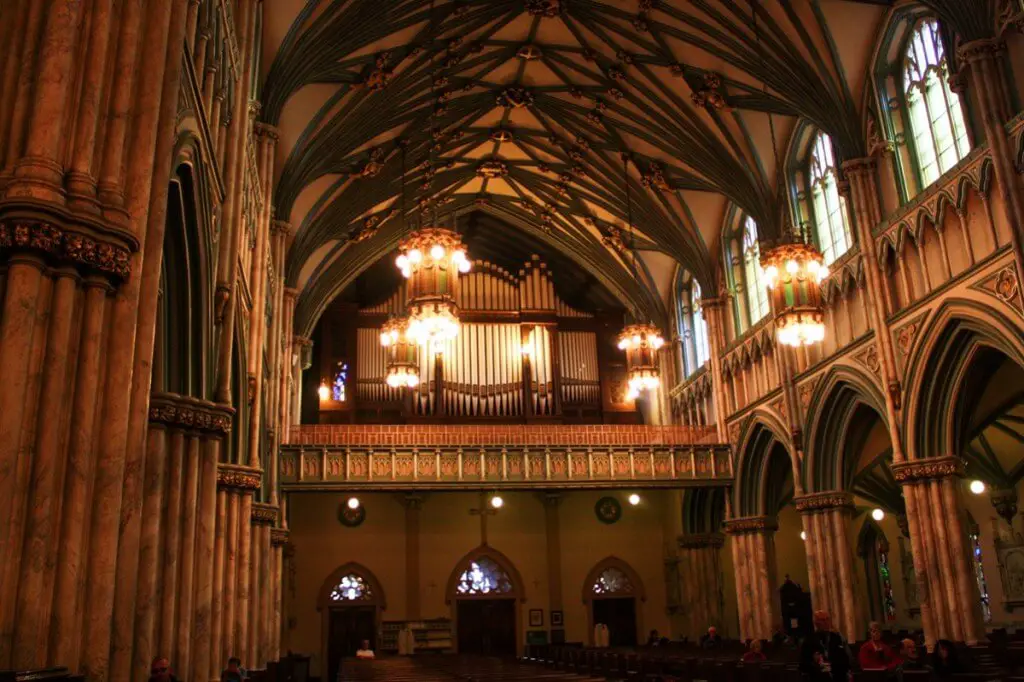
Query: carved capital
280	227
183	412
701	541
266	130
238	477
928	469
751	524
278	537
863	166
264	514
979	50
825	501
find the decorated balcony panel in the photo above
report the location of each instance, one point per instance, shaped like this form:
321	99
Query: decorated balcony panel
424	457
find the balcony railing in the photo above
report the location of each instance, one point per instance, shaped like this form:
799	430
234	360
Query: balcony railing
491	457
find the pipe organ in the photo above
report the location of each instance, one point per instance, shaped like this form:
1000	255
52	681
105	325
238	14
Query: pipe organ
522	354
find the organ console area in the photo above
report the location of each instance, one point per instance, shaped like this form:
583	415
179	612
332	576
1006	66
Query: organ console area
522	355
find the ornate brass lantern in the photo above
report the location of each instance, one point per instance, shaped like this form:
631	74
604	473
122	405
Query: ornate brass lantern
403	368
793	271
431	259
641	343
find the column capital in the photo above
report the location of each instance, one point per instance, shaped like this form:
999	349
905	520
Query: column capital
291	293
278	537
183	412
860	165
264	514
553	500
701	541
238	477
930	468
412	501
281	227
266	130
824	501
750	524
979	50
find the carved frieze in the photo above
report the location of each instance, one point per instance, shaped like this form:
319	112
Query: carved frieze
182	412
238	477
66	245
264	514
927	469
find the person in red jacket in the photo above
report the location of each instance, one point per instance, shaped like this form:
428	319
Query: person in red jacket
754	654
875	654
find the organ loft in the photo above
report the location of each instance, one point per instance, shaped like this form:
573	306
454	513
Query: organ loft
508	339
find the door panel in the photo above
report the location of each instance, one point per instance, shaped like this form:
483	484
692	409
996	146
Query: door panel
619	614
347	630
487	626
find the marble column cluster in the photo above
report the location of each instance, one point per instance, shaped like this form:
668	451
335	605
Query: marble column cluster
753	557
826	525
260	621
943	568
700	577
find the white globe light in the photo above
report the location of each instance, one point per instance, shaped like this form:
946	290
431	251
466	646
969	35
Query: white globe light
977	487
634	499
497	502
459	256
877	514
353	503
402	261
324	392
623	344
437	252
464	266
792	267
415	256
803	535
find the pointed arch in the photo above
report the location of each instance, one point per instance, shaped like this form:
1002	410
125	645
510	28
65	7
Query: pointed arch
373	594
938	384
845	398
763	442
485	552
613	578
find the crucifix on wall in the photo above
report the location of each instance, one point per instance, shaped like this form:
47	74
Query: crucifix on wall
486	508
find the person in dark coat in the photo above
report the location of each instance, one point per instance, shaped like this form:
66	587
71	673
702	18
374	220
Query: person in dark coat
160	670
945	662
824	656
712	640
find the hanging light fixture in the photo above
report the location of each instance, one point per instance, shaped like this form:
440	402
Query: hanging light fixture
793	268
402	368
640	340
431	259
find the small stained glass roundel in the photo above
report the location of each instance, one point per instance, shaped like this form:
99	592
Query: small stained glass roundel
608	510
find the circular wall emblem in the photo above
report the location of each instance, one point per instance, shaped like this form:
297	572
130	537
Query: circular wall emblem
351	517
608	510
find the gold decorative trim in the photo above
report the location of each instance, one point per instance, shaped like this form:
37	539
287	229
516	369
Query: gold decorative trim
750	524
183	412
824	501
239	477
701	541
928	469
66	245
264	514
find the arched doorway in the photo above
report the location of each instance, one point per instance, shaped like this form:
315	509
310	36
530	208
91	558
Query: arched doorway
484	592
614	594
350	602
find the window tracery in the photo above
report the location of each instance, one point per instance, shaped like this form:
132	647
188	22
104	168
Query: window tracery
757	294
936	117
339	383
888	600
484	576
828	208
979	575
612	581
351	587
700	328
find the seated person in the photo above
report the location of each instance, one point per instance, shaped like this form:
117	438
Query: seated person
365	652
232	673
875	654
652	639
754	654
911	658
711	640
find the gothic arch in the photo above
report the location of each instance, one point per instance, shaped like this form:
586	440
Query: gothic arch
517	593
938	384
633	588
761	441
845	398
324	603
703	510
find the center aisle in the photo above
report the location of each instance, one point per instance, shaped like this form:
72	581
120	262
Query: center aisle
448	669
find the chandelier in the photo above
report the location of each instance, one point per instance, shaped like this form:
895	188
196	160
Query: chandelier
793	271
402	367
641	343
431	259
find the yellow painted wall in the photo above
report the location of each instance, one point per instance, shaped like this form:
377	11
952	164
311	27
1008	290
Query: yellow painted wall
448	532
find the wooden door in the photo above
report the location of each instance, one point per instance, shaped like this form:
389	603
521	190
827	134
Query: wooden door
487	626
619	614
347	629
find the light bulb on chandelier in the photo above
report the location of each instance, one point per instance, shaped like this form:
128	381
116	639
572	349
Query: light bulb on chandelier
793	272
641	343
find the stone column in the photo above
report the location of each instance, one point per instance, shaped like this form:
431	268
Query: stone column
826	520
278	539
264	517
943	565
714	312
553	536
700	575
413	508
239	483
983	58
753	548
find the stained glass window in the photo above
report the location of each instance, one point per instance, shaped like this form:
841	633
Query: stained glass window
612	581
757	293
979	574
351	588
936	116
484	576
700	328
831	220
340	379
888	601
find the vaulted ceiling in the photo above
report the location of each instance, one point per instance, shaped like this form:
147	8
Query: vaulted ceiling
523	109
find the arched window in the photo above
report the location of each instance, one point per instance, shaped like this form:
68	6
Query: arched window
979	573
828	208
340	379
351	587
757	293
612	581
873	547
700	329
888	601
936	117
484	576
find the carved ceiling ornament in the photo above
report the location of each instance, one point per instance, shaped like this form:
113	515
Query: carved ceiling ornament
547	9
515	97
709	95
491	169
1004	286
